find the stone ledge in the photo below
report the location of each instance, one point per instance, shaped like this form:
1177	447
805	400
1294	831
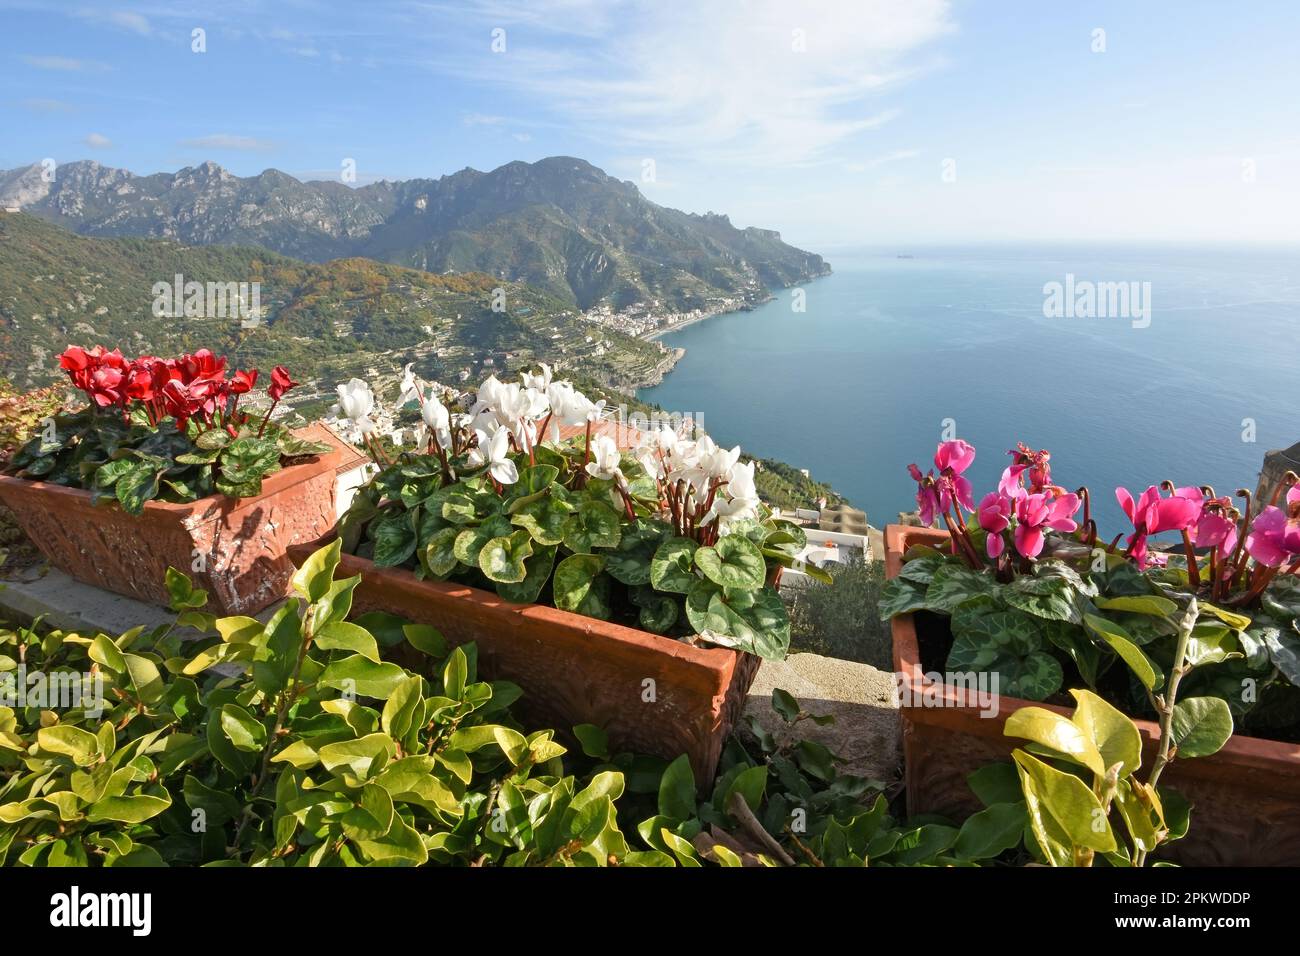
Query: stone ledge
70	605
866	731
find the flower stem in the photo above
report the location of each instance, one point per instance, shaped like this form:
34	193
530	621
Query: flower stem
269	412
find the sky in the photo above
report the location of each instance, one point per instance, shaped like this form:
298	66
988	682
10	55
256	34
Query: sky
836	122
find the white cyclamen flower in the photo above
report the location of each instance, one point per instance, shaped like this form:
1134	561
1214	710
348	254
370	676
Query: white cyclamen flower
495	453
410	387
605	459
540	380
489	393
436	418
740	481
736	500
356	400
571	407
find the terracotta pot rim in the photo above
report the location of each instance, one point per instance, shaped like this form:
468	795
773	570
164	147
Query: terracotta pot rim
720	660
1240	749
211	507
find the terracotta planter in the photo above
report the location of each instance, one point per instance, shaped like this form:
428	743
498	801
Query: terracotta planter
651	694
1246	797
242	542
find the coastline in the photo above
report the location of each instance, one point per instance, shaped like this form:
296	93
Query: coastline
663	368
658	333
747	307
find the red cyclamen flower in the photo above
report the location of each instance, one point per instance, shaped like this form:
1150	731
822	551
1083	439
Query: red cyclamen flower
280	383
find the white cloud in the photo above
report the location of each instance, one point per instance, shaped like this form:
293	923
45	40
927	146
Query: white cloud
41	105
66	64
866	166
98	141
783	83
229	141
126	19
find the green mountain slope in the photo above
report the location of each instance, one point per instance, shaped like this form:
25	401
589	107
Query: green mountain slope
326	321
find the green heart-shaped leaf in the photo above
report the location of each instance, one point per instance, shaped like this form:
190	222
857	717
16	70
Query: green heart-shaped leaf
579	585
594	525
734	562
502	559
672	567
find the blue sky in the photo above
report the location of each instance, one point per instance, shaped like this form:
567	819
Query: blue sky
833	121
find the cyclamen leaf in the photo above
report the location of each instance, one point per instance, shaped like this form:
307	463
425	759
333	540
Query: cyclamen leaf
578	585
753	621
439	555
594	525
1284	651
953	585
138	486
902	596
395	539
1052	598
734	562
1009	645
544	519
502	559
537	567
671	567
470	541
922	569
629	563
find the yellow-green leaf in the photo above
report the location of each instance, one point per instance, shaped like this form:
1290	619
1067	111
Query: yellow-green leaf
1058	733
1114	735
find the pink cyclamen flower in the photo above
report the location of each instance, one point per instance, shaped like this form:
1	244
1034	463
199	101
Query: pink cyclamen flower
1213	529
952	458
1152	514
927	498
1274	536
1011	484
955	456
1038	512
1037	463
995	517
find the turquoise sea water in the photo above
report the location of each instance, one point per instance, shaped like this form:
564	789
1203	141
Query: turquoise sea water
860	383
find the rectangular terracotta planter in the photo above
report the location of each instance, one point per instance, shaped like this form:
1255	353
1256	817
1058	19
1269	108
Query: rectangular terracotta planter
242	542
651	694
1246	797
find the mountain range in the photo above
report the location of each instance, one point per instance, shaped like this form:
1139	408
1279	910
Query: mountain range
560	225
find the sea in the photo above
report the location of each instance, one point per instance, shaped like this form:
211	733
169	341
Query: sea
1131	364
